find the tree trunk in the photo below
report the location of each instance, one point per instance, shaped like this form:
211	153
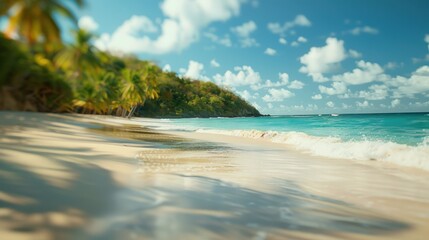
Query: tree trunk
133	109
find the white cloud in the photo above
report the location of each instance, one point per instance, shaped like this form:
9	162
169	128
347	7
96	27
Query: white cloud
283	81
365	73
282	41
270	51
365	29
245	94
300	20
376	92
181	27
330	104
225	40
299	40
244	31
284	78
317	97
335	89
363	104
324	59
88	23
195	70
295	84
244	75
277	95
416	84
354	54
214	63
166	68
395	103
302	39
270	105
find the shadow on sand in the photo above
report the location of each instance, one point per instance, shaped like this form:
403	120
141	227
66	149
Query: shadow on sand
193	207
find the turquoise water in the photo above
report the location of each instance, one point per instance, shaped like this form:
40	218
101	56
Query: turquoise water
401	138
409	128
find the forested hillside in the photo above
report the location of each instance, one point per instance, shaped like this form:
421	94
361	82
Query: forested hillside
79	78
180	97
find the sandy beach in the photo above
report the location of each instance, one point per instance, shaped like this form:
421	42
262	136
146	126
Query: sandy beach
95	177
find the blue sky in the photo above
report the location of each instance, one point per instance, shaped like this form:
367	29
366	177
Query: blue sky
283	56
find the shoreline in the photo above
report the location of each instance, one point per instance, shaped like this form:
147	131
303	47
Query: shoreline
79	176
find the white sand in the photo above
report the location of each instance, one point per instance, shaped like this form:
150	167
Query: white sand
62	180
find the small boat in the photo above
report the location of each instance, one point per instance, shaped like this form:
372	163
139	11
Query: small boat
335	115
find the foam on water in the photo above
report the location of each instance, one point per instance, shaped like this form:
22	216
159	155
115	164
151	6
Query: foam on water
333	147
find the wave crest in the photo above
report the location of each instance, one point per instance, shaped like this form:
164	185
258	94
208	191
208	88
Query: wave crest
401	154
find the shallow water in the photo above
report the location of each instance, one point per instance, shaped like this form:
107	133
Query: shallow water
395	138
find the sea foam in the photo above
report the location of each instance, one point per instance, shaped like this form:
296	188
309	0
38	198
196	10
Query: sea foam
333	147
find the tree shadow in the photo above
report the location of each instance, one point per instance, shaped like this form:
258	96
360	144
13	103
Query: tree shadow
210	208
221	210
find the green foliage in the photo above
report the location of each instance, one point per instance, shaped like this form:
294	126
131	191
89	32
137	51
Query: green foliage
26	85
82	79
180	97
45	75
35	20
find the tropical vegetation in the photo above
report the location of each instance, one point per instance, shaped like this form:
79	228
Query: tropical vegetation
38	72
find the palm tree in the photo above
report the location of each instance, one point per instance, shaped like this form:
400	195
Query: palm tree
34	21
80	57
138	85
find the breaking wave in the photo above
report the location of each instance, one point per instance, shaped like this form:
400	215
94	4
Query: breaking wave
333	147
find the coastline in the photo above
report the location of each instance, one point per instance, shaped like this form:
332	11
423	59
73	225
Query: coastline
97	177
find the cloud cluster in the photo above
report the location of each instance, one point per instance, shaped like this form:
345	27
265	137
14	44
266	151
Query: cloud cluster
277	28
374	92
395	103
283	81
417	83
183	22
225	40
241	76
299	40
244	31
317	97
335	89
277	95
365	72
320	60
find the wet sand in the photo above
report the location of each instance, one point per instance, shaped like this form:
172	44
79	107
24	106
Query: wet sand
76	177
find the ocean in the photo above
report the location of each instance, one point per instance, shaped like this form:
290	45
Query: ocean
400	138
